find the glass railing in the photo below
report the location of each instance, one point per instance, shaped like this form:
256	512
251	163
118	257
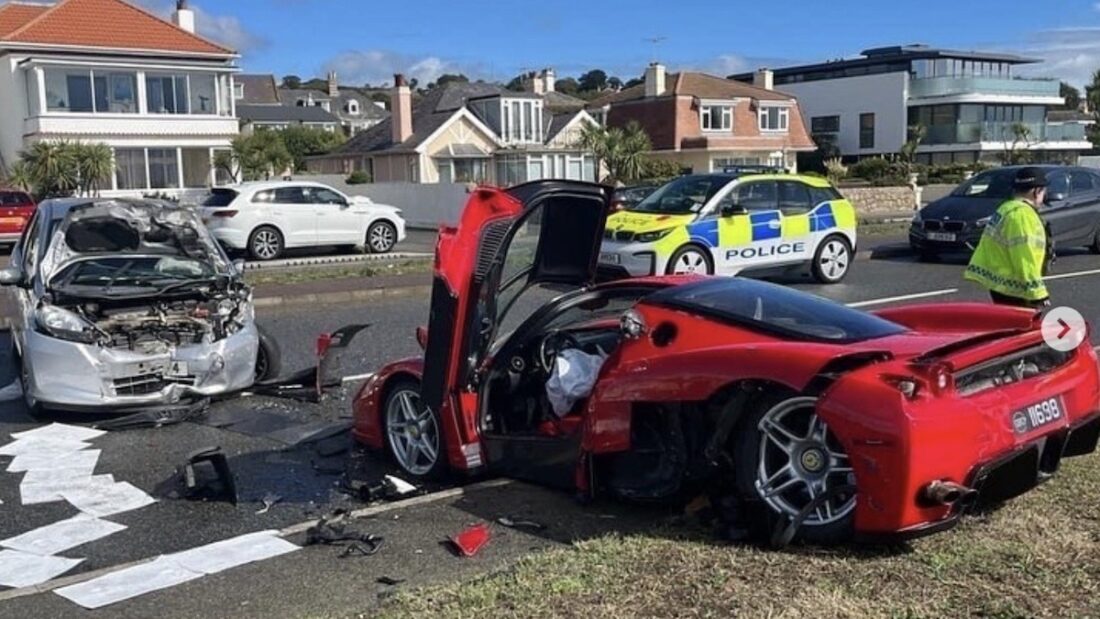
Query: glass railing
969	133
947	86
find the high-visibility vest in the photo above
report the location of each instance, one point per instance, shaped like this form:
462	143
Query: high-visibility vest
1011	253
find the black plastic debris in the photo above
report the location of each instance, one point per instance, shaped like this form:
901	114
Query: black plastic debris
389	580
332	531
311	384
513	523
207	477
156	417
269	500
386	489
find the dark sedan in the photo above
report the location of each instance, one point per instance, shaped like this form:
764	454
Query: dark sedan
955	223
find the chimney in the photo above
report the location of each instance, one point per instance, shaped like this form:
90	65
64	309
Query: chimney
549	80
537	86
401	110
333	85
655	80
764	78
184	18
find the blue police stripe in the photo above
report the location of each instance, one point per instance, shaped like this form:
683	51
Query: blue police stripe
822	218
705	232
761	231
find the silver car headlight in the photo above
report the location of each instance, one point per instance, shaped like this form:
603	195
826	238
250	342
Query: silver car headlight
63	324
917	219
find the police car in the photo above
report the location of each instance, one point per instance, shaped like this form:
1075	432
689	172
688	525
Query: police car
733	223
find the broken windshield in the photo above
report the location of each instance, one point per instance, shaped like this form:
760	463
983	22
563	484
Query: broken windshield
112	273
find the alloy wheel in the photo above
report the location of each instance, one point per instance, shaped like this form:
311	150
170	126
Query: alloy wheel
382	238
800	460
834	260
412	432
265	244
690	262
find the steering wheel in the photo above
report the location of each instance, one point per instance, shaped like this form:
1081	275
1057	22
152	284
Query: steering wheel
553	343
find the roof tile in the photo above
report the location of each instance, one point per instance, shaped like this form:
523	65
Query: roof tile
14	16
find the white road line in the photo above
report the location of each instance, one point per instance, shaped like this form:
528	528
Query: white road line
1074	274
905	297
355	377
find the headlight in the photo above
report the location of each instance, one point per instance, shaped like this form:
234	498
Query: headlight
983	222
917	218
63	324
649	237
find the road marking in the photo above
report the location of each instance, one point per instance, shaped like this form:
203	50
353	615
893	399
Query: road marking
905	297
355	377
365	512
1074	274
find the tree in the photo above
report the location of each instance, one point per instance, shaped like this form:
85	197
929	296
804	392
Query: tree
567	85
94	166
1018	150
51	167
292	81
908	150
593	81
1071	95
622	150
614	83
634	81
519	82
258	156
447	78
19	176
1092	95
301	142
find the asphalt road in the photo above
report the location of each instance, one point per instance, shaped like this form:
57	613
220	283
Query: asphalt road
315	581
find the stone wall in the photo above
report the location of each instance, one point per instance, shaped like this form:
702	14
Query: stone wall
880	200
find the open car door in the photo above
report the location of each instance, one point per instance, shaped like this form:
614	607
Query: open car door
506	241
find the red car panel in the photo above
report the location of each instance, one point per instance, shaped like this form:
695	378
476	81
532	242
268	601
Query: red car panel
16	209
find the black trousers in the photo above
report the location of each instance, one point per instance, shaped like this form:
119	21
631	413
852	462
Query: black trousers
1004	299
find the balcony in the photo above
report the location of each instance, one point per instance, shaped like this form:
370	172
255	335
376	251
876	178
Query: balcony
935	87
79	126
971	133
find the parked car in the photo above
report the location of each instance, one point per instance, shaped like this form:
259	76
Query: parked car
16	207
266	218
793	408
129	304
955	223
735	222
626	197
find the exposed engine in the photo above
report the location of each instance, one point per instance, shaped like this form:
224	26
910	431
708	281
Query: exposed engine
1011	369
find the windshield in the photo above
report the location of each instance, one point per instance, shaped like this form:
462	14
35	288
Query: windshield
134	272
778	309
684	195
988	184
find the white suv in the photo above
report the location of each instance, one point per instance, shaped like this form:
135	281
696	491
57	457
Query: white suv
265	218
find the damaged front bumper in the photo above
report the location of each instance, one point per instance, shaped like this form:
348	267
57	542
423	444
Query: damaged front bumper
76	376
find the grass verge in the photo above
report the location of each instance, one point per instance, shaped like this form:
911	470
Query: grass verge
1038	556
295	275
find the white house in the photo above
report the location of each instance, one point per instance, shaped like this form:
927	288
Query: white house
108	71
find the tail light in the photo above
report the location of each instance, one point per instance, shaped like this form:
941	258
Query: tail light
226	213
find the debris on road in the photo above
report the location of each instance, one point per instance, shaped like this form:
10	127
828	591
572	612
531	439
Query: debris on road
269	500
23	569
207	477
332	531
157	417
389	581
400	486
471	540
385	489
312	384
62	535
521	524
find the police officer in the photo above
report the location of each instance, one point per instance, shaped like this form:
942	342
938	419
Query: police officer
1013	252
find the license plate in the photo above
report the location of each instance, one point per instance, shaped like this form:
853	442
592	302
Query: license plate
176	369
610	258
941	236
1045	413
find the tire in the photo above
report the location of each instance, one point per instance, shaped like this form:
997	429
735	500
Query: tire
423	429
1095	247
265	243
34	408
690	259
816	461
269	358
832	260
381	237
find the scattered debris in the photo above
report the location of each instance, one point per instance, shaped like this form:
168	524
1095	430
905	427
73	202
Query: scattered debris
387	488
23	569
331	446
63	535
312	384
398	485
387	580
471	540
207	477
521	524
269	500
332	531
158	416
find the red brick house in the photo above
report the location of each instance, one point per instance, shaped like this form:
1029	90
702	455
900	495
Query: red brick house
705	122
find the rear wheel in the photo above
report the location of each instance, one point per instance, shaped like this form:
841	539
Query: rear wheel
413	433
268	357
381	237
1095	247
790	466
690	259
832	260
265	243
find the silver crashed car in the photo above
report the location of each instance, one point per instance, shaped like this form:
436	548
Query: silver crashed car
129	304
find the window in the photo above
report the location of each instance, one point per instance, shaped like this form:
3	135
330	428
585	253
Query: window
115	93
470	170
353	107
774	118
203	94
716	117
290	195
238	91
825	124
166	94
1080	182
719	164
322	195
130	168
196	167
758	196
69	90
1058	187
820	195
164	172
794	198
264	197
866	130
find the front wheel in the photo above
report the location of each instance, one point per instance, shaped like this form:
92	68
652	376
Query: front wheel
788	467
381	237
832	260
413	432
690	260
268	357
1095	247
265	243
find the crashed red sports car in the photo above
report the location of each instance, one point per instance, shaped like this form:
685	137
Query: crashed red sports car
810	418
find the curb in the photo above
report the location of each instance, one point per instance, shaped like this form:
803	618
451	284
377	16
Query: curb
325	260
891	250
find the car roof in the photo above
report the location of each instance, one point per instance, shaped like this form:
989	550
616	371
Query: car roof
57	208
261	185
811	180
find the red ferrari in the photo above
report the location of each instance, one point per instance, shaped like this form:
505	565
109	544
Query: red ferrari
809	418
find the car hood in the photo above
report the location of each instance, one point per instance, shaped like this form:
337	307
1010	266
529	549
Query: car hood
957	208
119	227
628	221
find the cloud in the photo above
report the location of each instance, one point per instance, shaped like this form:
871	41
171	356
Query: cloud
378	67
225	29
1070	54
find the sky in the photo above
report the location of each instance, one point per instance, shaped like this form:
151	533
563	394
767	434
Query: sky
367	41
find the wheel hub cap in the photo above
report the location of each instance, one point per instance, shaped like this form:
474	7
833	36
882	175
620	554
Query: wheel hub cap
813	460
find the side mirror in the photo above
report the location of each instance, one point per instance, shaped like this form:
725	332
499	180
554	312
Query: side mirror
11	276
731	209
1055	197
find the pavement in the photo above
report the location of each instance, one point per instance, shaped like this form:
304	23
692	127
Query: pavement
314	581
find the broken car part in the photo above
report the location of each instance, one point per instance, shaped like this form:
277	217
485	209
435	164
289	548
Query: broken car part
311	384
332	531
207	476
156	416
471	540
520	524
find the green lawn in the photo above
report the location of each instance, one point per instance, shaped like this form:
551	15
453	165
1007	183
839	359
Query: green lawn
294	275
1039	556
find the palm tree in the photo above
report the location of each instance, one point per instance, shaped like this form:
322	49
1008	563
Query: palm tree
94	164
19	177
621	150
52	168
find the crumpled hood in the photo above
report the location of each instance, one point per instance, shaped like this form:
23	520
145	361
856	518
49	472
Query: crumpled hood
628	221
120	227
